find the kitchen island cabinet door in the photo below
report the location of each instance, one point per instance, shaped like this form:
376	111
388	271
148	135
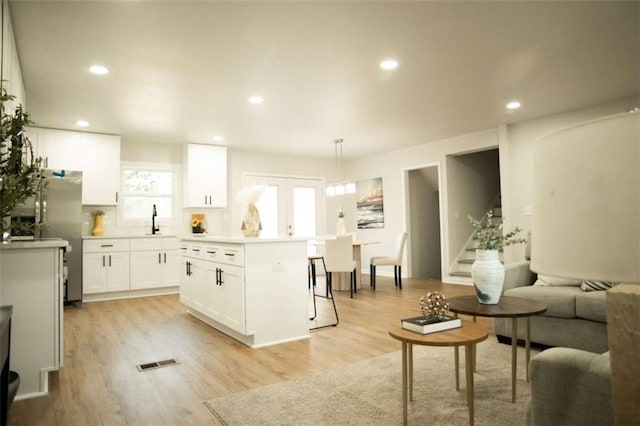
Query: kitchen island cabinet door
214	292
197	284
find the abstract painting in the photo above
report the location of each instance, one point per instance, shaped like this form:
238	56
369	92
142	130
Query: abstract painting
370	211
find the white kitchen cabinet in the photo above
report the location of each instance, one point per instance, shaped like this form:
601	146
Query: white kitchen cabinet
255	290
205	182
154	263
224	287
96	155
192	276
100	169
32	280
105	265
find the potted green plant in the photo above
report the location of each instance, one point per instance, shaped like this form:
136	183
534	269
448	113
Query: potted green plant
19	170
487	272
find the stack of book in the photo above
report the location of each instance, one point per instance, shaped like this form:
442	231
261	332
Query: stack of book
426	325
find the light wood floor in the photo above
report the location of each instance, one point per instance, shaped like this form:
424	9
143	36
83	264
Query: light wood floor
100	385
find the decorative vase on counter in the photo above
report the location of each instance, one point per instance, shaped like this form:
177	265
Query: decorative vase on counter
98	228
487	273
340	227
251	225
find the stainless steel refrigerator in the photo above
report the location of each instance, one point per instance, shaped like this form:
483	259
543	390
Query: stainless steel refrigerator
57	210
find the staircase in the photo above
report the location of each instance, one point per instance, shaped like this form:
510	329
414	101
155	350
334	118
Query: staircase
462	266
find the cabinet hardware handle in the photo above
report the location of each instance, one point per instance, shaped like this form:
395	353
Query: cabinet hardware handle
196	250
230	254
210	202
159	258
116	197
221	280
165	258
217	276
211	252
109	260
205	199
106	245
188	268
103	264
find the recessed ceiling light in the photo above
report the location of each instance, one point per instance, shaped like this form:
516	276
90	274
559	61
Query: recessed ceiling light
256	100
389	64
98	69
82	123
513	105
218	138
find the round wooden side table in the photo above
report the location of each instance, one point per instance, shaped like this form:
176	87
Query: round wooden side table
507	307
467	335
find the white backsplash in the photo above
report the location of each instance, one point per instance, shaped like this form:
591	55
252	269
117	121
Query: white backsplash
214	220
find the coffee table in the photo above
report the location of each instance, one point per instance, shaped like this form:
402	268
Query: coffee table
507	307
467	335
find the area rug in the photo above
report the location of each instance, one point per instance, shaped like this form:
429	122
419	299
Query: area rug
370	393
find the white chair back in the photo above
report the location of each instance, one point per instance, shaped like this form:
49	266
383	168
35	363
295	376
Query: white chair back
339	254
400	243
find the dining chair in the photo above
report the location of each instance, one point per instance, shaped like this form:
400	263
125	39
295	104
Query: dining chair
395	260
339	258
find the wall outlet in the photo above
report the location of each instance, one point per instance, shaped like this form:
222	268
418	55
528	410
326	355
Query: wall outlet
528	210
278	267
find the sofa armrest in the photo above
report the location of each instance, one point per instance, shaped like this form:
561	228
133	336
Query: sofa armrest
570	387
517	275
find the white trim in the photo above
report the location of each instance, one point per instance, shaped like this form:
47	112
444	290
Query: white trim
130	294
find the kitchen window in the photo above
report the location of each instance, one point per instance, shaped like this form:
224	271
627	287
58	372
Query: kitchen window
142	187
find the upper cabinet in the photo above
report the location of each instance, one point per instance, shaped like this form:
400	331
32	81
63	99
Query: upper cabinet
96	155
205	176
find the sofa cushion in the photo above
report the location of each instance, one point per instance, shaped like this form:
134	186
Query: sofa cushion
592	306
560	300
548	280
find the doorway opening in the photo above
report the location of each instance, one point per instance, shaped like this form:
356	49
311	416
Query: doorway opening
424	251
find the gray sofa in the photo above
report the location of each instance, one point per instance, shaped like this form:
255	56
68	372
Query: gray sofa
574	318
570	387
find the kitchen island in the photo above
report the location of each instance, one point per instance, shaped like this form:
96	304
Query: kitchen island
32	280
252	289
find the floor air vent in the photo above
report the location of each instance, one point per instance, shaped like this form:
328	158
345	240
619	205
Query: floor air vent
156	364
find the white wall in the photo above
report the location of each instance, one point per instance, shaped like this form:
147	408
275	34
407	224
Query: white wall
391	166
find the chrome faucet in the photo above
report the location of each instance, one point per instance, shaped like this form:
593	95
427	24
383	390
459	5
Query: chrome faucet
154	228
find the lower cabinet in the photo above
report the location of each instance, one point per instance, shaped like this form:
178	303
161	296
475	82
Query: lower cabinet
154	263
253	290
224	295
128	264
213	283
105	266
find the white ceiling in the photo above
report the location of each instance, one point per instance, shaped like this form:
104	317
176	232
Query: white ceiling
182	71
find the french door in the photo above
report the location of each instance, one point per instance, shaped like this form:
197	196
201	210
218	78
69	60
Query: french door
289	206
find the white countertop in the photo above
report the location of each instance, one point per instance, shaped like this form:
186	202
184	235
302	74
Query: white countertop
110	237
32	244
238	239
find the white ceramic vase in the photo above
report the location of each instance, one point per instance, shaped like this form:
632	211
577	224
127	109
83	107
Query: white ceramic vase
251	225
487	273
340	227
